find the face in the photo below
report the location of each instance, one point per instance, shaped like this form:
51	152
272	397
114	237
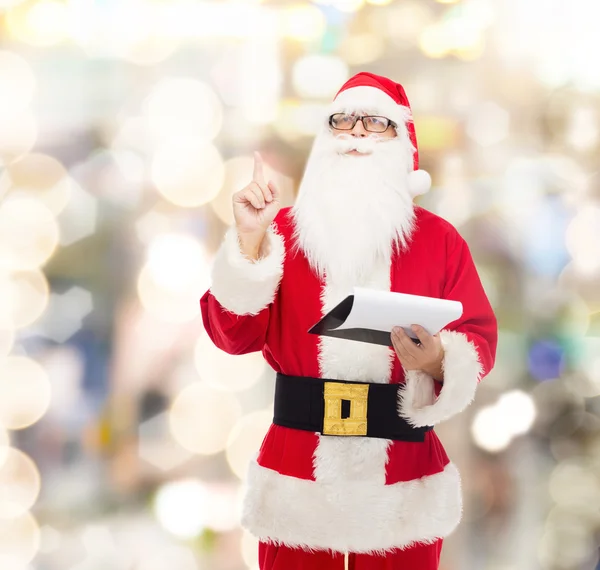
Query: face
359	131
353	206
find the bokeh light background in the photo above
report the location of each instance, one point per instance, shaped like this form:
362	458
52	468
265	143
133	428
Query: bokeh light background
126	125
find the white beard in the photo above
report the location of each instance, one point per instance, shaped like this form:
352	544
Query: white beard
353	210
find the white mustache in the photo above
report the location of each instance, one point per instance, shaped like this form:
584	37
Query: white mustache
365	145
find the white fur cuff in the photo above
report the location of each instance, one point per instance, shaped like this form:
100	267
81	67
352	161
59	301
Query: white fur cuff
242	286
462	371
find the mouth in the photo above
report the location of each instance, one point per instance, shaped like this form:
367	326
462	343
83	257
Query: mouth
354	152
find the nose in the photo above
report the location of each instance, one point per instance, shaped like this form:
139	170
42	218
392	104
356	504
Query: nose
359	130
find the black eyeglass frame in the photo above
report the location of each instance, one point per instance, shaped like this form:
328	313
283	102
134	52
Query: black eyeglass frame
362	119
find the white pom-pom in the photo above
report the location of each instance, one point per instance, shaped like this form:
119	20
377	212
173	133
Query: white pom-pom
419	182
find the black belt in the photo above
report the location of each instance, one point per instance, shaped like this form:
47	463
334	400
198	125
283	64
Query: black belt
338	407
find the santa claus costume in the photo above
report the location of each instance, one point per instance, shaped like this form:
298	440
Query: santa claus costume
319	501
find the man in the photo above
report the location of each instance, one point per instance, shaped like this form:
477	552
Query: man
386	500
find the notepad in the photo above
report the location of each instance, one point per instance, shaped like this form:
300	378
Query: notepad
368	315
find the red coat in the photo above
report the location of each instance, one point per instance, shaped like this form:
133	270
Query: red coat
352	493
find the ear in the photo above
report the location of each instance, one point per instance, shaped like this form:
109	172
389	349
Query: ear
419	182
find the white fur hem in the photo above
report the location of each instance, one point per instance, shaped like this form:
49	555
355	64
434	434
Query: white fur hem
242	286
351	516
462	371
371	100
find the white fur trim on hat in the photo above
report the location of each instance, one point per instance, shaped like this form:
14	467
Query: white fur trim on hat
246	287
419	182
462	371
370	100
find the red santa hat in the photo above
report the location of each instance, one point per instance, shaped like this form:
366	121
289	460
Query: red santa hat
376	94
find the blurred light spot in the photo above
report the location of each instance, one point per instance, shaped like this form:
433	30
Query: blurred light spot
583	240
582	131
18	134
319	76
28	233
116	176
19	484
151	225
42	178
98	540
347	5
495	426
133	133
157	446
24	392
65	314
135	31
358	49
489	430
201	418
518	410
188	171
298	120
19	541
245	440
50	539
4	445
167	556
65	366
460	32
379	2
567	541
78	220
226	371
183	107
488	123
437	132
589	363
9	3
24	296
17	84
261	80
302	22
42	23
545	360
401	23
170	282
568	176
574	486
186	507
172	260
433	43
249	546
545	250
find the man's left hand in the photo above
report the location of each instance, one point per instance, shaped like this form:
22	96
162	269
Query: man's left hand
428	356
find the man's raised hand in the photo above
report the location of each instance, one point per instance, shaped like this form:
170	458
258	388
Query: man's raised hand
254	208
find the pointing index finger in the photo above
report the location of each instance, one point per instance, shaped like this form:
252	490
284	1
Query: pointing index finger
258	175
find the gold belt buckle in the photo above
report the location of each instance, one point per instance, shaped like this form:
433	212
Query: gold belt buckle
357	395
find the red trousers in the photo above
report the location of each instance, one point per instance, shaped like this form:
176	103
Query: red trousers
419	557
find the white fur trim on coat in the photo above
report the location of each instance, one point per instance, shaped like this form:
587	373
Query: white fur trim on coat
351	516
243	286
462	371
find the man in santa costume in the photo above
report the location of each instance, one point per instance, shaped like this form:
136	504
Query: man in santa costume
383	498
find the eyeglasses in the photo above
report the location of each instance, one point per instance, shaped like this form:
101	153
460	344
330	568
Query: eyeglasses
371	123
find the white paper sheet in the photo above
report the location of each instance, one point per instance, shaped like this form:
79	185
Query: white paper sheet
384	310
